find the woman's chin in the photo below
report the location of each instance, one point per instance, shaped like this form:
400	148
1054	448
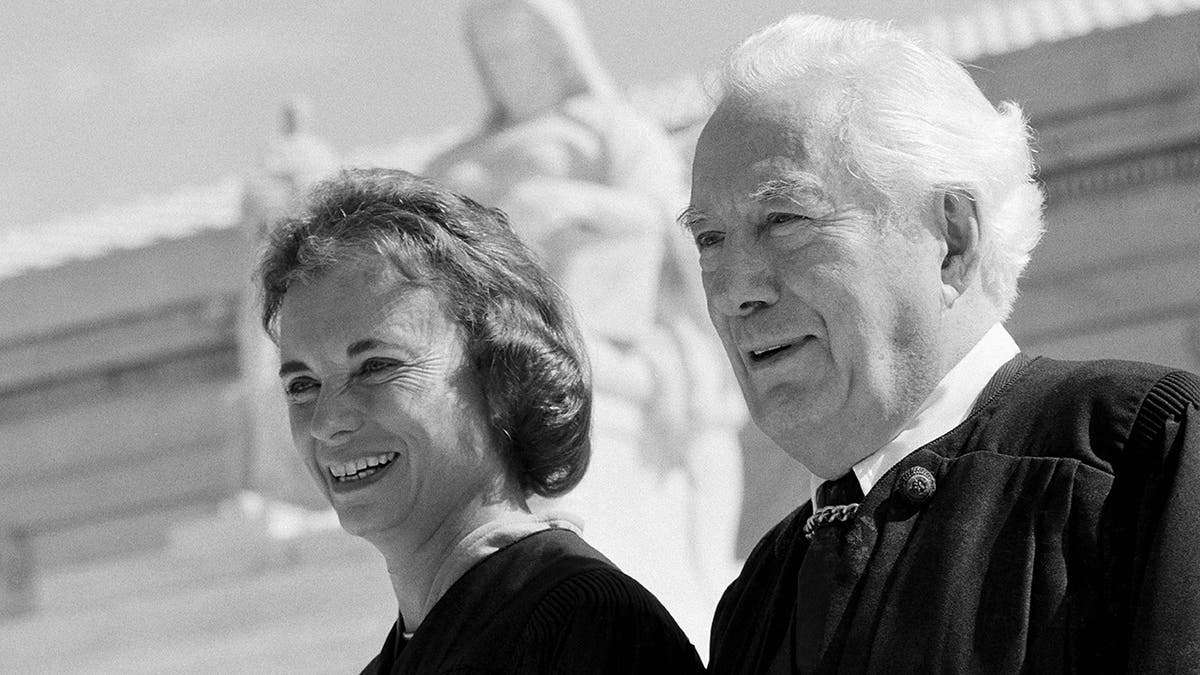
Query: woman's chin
363	520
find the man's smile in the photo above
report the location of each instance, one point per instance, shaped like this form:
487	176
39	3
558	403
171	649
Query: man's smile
770	351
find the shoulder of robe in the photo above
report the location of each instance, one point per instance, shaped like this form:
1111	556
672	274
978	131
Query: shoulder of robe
1104	409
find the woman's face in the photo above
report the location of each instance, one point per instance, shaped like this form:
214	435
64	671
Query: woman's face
385	408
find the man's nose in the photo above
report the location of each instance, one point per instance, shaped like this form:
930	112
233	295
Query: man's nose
742	281
336	416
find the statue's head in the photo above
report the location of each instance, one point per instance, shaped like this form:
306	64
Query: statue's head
532	55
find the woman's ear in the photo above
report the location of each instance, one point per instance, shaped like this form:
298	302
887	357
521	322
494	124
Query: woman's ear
959	225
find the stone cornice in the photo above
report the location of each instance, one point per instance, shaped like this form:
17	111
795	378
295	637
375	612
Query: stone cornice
1123	171
990	28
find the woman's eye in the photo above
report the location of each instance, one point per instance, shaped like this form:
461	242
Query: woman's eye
709	238
301	389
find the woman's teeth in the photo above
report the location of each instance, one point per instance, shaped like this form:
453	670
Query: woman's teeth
362	467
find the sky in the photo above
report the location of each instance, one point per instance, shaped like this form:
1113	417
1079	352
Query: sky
106	102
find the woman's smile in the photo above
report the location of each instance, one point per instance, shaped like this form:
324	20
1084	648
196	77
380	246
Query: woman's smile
356	473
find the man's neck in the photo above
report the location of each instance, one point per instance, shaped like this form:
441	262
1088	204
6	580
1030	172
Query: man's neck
946	406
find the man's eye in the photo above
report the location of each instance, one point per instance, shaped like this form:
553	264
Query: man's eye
707	239
301	389
780	217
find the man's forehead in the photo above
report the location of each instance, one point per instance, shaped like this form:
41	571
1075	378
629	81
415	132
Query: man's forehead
744	131
760	178
746	167
803	105
739	133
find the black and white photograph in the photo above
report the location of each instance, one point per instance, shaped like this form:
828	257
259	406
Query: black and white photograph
600	336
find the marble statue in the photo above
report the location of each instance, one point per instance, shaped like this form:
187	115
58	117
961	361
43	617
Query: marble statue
594	188
295	159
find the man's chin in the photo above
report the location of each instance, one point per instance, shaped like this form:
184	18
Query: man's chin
811	441
787	411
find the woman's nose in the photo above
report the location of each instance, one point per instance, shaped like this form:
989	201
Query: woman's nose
335	417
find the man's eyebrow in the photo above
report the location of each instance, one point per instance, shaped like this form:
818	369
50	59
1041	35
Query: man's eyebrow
690	217
789	187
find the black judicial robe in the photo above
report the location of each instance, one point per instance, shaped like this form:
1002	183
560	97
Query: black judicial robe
1063	537
548	603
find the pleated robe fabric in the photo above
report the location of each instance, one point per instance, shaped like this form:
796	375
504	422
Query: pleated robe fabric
1063	537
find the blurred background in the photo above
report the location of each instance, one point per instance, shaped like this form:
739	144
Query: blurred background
152	518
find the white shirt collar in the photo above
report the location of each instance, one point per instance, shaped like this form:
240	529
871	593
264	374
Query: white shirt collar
946	407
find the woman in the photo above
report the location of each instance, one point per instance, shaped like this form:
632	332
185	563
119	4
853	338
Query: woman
435	381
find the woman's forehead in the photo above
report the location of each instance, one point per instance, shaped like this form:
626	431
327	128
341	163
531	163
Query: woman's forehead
349	302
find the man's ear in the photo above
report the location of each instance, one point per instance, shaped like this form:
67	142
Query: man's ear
959	221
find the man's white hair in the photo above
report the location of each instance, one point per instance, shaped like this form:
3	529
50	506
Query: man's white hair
909	123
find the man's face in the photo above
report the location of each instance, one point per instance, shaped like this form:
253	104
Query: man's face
829	316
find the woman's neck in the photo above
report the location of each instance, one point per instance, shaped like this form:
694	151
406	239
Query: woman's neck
414	566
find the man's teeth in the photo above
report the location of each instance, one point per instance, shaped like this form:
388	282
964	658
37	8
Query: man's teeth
761	353
361	467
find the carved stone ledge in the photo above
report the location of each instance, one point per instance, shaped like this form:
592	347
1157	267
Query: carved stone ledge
1124	172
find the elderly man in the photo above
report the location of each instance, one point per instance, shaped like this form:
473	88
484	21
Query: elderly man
862	214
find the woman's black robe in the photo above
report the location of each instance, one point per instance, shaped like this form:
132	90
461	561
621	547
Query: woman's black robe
548	603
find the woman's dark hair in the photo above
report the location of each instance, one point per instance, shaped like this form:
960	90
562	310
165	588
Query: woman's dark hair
520	334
